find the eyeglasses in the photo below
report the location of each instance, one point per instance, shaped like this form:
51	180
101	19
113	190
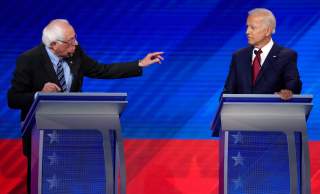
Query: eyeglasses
71	41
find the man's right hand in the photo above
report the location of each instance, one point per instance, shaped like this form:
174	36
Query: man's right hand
50	87
285	94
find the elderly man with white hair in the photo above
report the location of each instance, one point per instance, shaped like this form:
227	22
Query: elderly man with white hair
264	67
59	65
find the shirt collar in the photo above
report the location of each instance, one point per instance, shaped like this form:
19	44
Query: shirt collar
266	48
53	58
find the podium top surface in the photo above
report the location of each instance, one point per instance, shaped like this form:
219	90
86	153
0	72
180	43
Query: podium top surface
265	98
57	101
79	96
258	101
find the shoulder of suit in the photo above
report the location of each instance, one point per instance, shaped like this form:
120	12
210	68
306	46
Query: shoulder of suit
34	52
243	50
284	50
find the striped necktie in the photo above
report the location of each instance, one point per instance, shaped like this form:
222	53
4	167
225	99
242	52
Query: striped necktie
60	74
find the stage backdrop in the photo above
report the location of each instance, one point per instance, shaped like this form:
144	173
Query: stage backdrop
169	147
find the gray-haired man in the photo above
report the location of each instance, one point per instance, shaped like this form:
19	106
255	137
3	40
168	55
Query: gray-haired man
59	64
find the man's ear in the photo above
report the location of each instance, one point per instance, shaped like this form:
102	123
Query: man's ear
53	45
268	31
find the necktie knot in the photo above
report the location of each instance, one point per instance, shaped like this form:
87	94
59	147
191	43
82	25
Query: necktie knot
258	52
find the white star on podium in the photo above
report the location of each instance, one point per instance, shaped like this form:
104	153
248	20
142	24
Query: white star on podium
53	182
238	160
238	138
53	136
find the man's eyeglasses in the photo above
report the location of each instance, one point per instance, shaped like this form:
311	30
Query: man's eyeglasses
71	41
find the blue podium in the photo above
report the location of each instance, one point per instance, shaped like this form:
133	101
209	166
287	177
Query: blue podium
263	144
77	145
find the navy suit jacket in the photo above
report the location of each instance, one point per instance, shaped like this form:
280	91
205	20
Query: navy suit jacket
279	71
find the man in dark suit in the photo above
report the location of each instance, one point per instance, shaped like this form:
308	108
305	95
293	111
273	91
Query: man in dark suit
264	67
59	65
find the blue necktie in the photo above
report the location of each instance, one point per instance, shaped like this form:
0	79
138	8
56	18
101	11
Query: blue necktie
60	74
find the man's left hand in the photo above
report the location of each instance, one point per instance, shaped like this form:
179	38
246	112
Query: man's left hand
151	58
285	94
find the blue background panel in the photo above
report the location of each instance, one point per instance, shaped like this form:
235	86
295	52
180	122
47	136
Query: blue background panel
258	163
66	170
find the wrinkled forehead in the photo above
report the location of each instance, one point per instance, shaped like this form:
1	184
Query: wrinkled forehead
256	19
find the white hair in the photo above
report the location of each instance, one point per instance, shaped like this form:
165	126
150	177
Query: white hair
269	19
53	31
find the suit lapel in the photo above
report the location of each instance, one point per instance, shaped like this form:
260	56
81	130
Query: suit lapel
48	66
273	55
248	66
74	66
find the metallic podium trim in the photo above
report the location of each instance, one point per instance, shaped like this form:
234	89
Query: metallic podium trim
226	158
305	164
292	155
40	161
120	153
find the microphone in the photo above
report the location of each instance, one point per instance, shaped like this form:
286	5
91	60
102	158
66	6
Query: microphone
69	59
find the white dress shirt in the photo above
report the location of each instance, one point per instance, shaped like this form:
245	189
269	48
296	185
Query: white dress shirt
265	51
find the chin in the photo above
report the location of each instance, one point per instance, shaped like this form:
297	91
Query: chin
250	42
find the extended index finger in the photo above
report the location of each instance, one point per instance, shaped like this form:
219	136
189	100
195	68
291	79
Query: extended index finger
157	53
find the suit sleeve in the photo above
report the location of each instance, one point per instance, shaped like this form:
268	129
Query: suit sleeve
20	95
230	83
93	69
291	74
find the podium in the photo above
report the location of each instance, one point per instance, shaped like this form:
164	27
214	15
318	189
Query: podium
263	144
77	145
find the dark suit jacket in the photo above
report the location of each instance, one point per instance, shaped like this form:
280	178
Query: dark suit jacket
279	71
34	69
